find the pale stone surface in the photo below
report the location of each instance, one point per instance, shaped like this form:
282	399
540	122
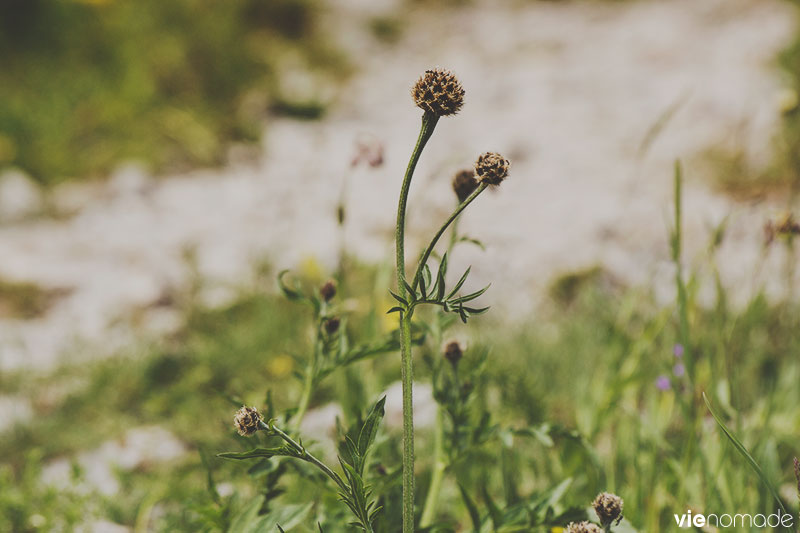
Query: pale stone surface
567	90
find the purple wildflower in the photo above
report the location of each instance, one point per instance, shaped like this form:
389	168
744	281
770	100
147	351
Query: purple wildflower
679	370
677	350
662	383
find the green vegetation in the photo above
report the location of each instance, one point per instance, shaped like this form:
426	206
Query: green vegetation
87	84
572	392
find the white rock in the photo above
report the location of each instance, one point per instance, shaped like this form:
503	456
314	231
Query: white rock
20	196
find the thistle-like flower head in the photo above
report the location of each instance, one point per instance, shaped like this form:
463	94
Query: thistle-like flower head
438	92
246	421
608	508
464	184
582	527
491	168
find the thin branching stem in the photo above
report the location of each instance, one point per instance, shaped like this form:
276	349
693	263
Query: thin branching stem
306	456
407	370
427	253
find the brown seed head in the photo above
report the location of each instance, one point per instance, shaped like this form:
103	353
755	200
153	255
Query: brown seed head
332	325
246	420
328	291
491	168
608	508
438	92
582	527
464	184
453	352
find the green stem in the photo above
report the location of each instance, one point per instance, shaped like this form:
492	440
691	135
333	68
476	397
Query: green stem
439	467
427	253
407	373
306	456
305	399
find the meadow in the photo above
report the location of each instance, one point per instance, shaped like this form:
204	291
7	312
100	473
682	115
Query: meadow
282	406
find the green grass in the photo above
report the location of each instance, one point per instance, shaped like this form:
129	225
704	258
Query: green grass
88	84
581	373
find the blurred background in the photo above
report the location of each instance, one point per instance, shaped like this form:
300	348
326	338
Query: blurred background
161	162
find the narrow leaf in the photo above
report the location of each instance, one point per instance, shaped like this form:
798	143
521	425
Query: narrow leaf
742	450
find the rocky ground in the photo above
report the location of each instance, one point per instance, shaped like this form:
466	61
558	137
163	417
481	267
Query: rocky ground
569	91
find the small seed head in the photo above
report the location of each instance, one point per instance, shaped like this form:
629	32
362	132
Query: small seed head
332	325
328	291
246	421
582	527
491	168
464	184
438	92
608	508
453	352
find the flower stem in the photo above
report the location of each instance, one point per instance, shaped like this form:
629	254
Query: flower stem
427	253
407	371
306	456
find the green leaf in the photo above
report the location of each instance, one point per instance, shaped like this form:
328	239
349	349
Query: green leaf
459	284
280	451
472	509
292	293
470	296
399	299
246	519
370	427
742	450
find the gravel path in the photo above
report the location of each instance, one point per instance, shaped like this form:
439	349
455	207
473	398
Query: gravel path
567	90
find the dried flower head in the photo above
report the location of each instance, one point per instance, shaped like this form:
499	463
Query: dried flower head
332	325
328	291
438	92
453	352
246	420
491	168
608	508
582	527
464	184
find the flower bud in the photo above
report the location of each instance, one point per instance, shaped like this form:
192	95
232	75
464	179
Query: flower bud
328	291
491	168
438	92
246	421
453	353
332	325
582	527
464	184
608	508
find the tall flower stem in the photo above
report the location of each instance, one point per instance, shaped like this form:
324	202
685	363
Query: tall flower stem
407	370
